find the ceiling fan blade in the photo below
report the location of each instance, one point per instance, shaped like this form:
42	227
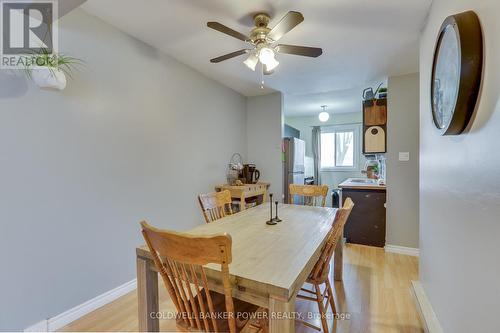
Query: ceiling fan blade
300	50
228	56
287	23
226	30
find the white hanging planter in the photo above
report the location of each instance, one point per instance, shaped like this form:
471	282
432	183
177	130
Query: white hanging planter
49	78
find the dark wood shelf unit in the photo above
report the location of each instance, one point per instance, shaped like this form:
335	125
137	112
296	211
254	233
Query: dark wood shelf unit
375	126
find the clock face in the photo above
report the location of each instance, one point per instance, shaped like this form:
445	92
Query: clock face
456	72
446	78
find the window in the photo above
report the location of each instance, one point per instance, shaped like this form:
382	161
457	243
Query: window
340	147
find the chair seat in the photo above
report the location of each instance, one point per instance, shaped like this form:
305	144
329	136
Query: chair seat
243	312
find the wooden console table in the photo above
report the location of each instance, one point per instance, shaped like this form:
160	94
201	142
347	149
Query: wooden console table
245	191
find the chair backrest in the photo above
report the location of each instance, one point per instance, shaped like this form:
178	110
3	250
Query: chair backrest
180	258
334	236
215	205
311	193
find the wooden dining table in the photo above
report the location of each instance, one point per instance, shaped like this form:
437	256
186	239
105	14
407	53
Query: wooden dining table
270	262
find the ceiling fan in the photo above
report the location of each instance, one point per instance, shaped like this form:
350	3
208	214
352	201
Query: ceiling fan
263	41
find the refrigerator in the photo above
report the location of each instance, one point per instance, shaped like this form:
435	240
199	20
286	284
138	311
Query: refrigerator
294	153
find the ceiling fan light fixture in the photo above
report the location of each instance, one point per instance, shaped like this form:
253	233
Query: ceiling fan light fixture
262	41
251	61
266	55
272	64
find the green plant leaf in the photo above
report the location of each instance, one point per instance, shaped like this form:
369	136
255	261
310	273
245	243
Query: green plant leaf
52	62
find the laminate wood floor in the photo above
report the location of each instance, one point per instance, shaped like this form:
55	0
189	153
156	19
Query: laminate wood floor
374	295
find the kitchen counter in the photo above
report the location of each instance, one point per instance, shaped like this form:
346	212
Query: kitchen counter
362	184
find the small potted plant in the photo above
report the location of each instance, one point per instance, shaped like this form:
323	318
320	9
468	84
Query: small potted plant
49	71
382	93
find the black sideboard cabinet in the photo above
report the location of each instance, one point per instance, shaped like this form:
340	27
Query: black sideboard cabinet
366	224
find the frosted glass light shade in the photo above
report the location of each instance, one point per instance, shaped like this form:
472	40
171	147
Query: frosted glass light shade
324	116
272	64
251	61
266	55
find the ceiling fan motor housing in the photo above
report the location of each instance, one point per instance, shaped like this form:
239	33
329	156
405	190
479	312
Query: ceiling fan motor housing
261	19
259	34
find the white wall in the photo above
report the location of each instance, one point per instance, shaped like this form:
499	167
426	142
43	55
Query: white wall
136	135
264	139
305	124
402	176
460	190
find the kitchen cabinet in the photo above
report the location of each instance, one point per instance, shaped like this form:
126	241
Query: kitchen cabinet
367	222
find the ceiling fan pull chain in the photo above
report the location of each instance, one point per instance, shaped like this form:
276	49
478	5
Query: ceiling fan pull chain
262	76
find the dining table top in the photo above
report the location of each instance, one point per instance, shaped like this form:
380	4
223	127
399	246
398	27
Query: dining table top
273	258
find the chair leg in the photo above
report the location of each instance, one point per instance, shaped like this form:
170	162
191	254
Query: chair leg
321	308
330	296
260	325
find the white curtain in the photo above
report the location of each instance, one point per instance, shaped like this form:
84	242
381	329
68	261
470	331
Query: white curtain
316	149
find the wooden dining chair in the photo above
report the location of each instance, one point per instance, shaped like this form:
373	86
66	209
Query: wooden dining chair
215	205
310	193
320	275
179	259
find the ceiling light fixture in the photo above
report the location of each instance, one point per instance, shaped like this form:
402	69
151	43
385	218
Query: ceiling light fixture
266	55
251	61
323	116
272	64
263	42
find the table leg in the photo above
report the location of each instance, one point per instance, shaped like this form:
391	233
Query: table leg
260	199
147	294
338	260
281	319
242	203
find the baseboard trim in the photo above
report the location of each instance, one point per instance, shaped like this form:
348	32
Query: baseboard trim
65	318
409	251
424	308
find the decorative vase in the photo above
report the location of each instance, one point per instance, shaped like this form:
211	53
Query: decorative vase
49	78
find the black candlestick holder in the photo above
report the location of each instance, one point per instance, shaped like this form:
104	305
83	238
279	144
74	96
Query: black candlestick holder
276	218
271	221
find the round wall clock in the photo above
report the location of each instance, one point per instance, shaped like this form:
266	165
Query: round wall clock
456	72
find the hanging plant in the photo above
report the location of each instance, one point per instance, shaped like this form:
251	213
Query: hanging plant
49	71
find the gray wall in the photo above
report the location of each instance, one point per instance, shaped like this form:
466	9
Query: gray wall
264	134
402	176
460	190
136	135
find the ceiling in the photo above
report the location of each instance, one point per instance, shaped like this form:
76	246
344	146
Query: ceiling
337	101
66	6
362	40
